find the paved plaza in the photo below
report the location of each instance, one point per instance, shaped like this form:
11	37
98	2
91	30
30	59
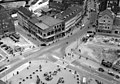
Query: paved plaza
45	72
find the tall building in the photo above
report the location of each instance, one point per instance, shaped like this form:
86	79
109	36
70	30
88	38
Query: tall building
71	16
6	22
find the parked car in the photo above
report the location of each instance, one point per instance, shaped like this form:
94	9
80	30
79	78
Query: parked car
117	76
101	69
110	73
3	45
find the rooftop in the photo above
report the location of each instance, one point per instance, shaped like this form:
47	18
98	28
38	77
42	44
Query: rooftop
25	11
69	13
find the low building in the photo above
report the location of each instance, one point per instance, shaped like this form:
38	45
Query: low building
45	28
57	5
105	22
71	16
6	22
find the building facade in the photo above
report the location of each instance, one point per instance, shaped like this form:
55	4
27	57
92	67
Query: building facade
45	28
71	16
105	22
6	22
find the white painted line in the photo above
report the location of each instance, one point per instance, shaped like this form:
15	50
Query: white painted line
56	57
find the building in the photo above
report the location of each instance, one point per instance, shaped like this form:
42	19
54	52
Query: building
6	22
45	28
71	16
57	5
113	5
1	82
105	22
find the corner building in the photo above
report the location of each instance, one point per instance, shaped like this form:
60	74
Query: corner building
45	28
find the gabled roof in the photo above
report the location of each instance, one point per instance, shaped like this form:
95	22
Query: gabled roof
107	12
25	11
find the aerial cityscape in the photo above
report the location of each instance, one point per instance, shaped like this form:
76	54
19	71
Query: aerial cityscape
59	41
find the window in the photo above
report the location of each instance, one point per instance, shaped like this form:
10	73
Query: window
44	34
52	32
103	20
48	33
116	32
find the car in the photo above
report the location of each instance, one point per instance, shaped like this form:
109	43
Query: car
43	44
111	73
1	43
117	76
101	69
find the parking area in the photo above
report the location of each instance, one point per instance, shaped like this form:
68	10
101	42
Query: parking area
45	72
15	44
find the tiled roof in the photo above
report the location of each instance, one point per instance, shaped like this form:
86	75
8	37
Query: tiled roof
107	12
25	11
69	13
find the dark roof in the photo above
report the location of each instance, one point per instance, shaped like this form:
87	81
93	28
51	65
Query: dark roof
1	7
1	82
69	13
107	12
116	21
25	11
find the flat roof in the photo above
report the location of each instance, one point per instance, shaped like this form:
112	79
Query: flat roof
42	25
50	21
44	22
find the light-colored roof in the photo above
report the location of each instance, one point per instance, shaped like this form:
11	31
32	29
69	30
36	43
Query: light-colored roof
69	13
45	22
